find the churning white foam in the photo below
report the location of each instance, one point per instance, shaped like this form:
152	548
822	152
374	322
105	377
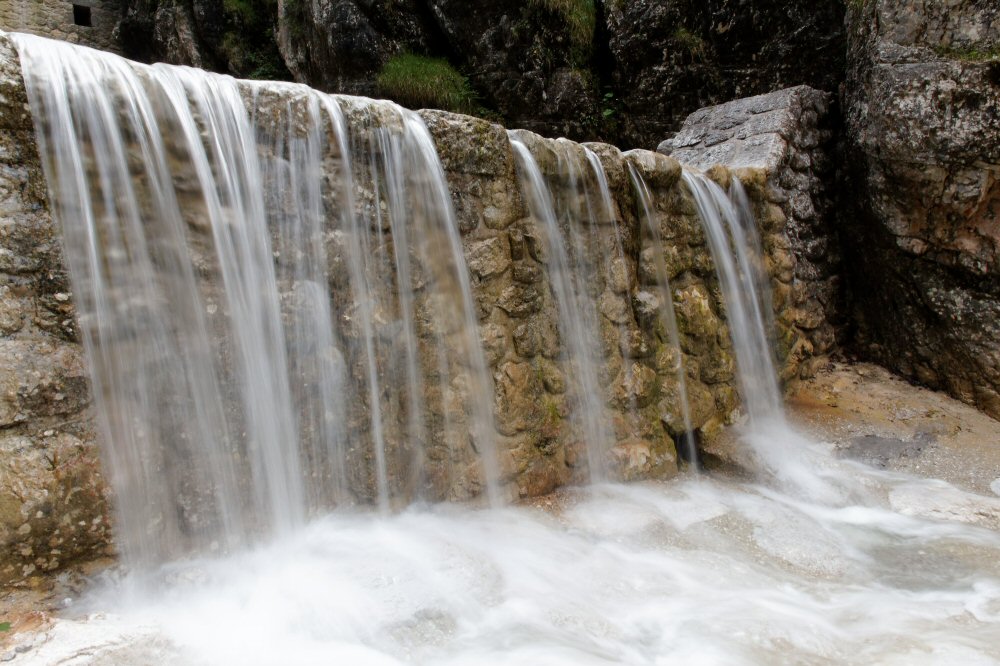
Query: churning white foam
697	571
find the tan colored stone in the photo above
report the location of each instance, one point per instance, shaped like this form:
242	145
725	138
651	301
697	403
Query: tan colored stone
518	398
490	257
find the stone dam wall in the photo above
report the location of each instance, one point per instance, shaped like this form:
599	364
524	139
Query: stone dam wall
54	505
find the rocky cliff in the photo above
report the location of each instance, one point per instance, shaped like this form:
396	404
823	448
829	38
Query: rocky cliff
623	72
922	235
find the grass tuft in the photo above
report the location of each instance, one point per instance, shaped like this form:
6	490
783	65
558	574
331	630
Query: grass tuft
421	82
581	20
970	53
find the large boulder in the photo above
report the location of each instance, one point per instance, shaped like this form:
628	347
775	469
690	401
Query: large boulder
923	130
671	58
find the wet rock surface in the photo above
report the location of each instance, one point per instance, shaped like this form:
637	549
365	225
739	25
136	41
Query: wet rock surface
782	142
869	414
623	72
53	498
674	57
923	132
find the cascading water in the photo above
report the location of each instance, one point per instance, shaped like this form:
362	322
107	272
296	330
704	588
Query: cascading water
272	294
741	290
234	398
668	317
569	269
736	249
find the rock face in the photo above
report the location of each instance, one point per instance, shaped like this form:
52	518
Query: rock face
235	37
528	61
624	72
923	131
786	136
53	507
673	57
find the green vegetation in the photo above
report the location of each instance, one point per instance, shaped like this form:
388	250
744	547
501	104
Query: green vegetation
608	105
4	626
422	82
581	20
689	41
976	53
249	11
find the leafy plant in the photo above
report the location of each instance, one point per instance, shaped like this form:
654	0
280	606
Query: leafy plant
607	105
419	81
4	626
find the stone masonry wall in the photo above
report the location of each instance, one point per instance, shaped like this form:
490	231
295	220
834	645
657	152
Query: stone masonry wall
786	136
53	506
54	18
52	497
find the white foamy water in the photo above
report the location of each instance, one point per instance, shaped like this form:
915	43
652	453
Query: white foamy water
697	571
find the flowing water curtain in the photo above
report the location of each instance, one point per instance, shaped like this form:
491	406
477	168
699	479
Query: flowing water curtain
665	306
735	246
566	227
299	144
428	379
156	245
252	322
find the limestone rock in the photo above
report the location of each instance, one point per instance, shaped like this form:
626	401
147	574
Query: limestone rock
495	345
636	459
615	307
923	126
40	379
674	57
489	257
695	317
778	143
520	301
518	398
635	386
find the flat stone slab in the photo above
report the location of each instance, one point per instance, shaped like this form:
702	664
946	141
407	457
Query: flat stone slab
753	132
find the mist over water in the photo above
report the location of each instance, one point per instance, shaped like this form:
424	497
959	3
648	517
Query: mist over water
818	560
700	571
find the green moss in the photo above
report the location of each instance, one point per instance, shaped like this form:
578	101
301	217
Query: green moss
970	53
689	41
418	81
248	11
581	19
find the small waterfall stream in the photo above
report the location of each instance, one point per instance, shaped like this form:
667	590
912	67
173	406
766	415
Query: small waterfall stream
278	365
275	303
668	317
578	315
737	253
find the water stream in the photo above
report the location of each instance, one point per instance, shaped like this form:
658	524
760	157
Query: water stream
569	271
668	317
251	364
273	296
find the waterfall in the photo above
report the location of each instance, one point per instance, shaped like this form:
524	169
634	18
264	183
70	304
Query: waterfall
272	294
736	258
727	220
569	271
668	317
